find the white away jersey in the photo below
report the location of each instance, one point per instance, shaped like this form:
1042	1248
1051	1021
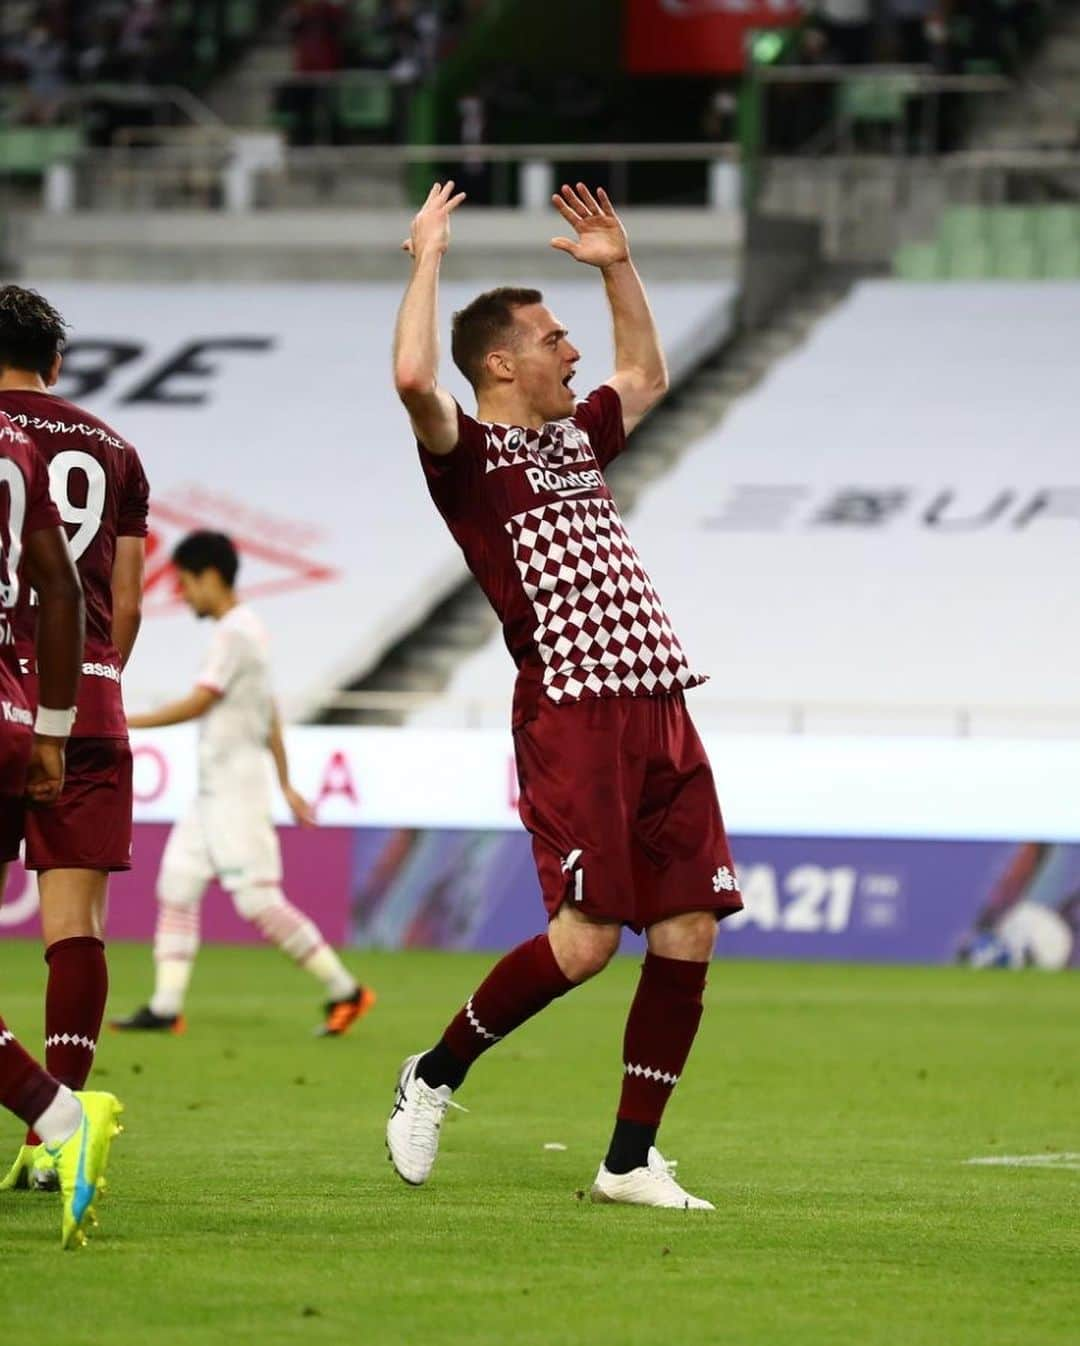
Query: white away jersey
234	732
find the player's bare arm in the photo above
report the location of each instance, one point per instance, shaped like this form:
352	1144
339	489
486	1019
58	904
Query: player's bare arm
299	806
191	707
431	409
60	626
641	376
127	591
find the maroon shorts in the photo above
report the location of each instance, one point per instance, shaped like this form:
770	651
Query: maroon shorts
89	826
15	745
619	798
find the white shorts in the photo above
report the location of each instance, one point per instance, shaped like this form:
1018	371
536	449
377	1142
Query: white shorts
219	837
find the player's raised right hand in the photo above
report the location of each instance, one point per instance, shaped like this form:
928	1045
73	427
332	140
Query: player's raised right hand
430	230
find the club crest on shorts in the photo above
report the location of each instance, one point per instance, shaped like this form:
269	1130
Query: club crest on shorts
724	881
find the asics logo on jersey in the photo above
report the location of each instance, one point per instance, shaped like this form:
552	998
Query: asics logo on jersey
724	881
543	480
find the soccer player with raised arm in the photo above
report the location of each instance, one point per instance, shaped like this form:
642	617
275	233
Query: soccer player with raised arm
616	789
228	832
100	490
76	1128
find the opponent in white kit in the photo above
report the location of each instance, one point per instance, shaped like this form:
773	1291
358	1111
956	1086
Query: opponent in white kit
228	832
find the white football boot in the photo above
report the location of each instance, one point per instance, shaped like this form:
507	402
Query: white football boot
653	1185
412	1132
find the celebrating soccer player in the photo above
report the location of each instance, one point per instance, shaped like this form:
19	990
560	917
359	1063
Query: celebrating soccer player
616	789
228	830
99	488
76	1128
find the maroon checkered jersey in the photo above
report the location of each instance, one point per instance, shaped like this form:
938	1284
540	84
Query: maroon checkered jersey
540	531
101	492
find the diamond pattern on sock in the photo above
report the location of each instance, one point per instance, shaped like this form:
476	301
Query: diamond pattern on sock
478	1026
647	1073
70	1040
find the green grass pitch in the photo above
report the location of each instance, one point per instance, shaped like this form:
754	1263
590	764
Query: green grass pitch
827	1111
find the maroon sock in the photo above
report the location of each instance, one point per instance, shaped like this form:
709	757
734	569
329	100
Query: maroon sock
520	985
74	1007
660	1031
25	1089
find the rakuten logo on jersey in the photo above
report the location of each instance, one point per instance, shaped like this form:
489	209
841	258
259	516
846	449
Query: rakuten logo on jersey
544	482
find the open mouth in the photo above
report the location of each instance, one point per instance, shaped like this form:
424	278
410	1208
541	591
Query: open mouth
568	380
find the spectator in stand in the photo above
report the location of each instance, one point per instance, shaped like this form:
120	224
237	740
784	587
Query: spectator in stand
403	27
919	31
41	59
846	28
318	29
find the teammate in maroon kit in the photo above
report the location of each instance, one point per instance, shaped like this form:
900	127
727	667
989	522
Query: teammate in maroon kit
616	789
77	1128
98	485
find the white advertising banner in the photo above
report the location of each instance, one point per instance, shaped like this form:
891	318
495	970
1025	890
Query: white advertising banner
971	789
267	412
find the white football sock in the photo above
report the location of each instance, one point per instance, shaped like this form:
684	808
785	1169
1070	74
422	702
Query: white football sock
176	942
170	986
61	1119
297	936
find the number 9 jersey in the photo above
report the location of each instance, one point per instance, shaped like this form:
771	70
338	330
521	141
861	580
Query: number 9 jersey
101	492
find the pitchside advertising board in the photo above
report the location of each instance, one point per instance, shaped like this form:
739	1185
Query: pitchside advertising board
697	36
894	850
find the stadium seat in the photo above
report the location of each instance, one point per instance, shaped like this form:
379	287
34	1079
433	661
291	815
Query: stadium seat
29	150
961	225
364	104
918	261
1056	224
1015	260
970	261
1061	261
1007	225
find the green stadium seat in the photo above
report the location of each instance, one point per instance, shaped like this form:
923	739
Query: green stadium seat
881	99
962	225
1006	225
972	261
1016	260
364	104
1061	261
29	150
1056	224
241	19
918	261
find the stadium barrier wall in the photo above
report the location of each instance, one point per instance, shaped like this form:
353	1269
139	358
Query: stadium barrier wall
888	850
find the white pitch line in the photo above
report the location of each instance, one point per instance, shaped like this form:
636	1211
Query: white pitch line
1068	1160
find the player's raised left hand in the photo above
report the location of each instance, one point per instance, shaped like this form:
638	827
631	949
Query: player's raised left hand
601	239
45	774
300	808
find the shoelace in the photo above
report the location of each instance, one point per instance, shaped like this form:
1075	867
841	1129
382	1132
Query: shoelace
429	1115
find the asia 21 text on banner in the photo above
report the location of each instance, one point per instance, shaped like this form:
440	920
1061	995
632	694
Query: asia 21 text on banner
697	36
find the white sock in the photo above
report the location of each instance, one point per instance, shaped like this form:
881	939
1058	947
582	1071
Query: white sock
61	1119
170	986
339	982
176	942
299	937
